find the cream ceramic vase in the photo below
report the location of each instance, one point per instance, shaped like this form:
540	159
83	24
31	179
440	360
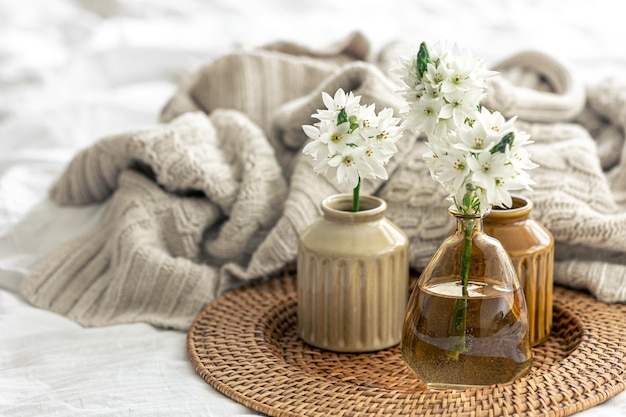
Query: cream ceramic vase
353	277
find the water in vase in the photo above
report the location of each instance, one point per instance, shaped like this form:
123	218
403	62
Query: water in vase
496	348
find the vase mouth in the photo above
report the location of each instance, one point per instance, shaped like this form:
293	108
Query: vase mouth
456	213
339	207
520	207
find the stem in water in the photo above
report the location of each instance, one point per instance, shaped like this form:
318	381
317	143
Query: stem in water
460	307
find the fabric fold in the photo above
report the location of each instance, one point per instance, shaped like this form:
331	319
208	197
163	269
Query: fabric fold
186	198
135	266
307	189
535	87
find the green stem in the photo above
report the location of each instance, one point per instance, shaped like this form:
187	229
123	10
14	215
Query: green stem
355	196
459	324
467	253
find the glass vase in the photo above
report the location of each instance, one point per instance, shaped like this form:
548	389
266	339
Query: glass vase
466	322
352	277
531	248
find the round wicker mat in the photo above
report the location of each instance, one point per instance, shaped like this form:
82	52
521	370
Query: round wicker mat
245	345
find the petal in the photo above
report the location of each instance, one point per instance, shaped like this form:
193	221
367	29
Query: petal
340	98
341	174
311	148
328	101
311	131
353	177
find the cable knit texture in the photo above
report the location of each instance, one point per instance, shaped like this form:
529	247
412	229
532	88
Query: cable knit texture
217	193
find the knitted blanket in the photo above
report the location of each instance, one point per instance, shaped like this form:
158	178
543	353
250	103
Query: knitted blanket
216	194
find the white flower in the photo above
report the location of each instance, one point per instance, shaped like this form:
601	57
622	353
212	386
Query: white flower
475	154
387	133
443	88
423	114
453	170
519	156
459	106
436	74
351	166
341	101
485	132
351	142
491	173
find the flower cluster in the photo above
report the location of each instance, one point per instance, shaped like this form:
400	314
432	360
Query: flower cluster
443	88
481	163
351	142
475	154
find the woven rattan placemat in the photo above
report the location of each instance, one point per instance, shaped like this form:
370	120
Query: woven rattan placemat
245	345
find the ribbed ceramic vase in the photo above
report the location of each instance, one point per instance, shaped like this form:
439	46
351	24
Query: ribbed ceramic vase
531	247
352	277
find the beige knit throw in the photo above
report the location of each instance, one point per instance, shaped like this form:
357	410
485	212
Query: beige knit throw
217	193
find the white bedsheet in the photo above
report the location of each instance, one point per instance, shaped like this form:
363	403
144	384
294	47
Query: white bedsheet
72	71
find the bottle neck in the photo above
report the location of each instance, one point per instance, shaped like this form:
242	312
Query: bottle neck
468	225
